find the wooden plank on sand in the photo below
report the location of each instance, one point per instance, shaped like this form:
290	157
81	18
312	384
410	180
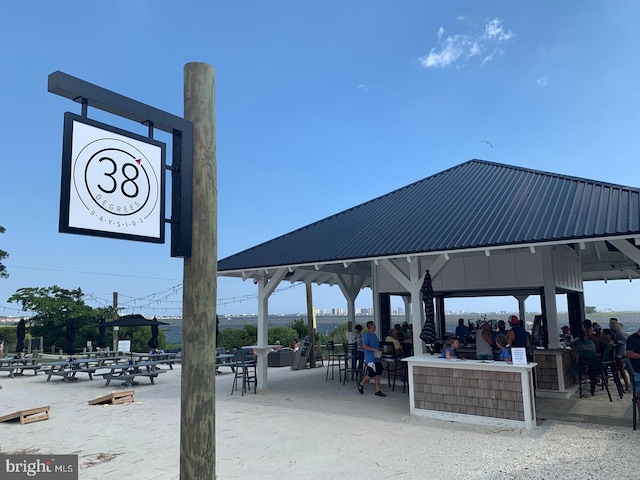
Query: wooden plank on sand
114	398
28	416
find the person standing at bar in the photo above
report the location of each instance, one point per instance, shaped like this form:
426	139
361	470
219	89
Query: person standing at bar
358	358
373	359
484	342
462	332
633	354
518	337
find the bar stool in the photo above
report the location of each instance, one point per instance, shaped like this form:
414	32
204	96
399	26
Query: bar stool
332	356
245	370
349	361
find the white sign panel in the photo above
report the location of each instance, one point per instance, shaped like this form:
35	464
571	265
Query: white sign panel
519	356
124	346
113	182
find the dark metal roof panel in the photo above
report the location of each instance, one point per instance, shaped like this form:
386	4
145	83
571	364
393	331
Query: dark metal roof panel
472	205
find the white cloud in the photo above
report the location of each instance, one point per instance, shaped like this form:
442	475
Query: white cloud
488	58
543	81
363	87
452	50
494	30
475	50
458	49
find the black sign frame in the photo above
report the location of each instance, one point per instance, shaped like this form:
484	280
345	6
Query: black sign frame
67	178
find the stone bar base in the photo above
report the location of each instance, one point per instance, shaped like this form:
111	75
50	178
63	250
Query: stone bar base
554	374
471	391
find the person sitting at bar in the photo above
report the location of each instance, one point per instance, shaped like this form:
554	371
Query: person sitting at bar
405	331
462	332
484	341
565	336
598	338
588	328
588	359
395	337
449	351
606	339
503	345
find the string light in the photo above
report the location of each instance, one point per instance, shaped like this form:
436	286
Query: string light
154	302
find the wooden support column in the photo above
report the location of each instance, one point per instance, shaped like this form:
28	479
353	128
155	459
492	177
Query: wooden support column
197	420
311	326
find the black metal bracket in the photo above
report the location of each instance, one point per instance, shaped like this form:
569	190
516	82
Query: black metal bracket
90	95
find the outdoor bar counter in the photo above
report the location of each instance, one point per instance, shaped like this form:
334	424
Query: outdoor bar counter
472	391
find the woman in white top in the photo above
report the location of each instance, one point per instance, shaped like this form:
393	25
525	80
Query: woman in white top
484	342
620	339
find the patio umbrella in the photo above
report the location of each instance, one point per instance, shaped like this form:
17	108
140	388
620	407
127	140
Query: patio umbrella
102	332
70	338
135	320
22	331
428	333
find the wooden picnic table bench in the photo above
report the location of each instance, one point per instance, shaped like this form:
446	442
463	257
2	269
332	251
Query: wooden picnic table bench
126	373
17	366
69	369
160	358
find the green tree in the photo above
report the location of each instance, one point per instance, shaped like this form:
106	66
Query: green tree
301	327
53	307
589	310
284	335
3	255
231	338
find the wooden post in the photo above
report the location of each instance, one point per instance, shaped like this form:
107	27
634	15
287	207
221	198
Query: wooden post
312	334
115	317
197	420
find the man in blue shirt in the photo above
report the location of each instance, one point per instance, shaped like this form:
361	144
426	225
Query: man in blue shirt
462	332
373	359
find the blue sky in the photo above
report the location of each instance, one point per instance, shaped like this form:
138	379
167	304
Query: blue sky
320	106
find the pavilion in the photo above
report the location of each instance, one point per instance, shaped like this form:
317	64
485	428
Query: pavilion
480	228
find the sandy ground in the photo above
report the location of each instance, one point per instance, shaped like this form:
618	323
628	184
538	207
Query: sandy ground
302	426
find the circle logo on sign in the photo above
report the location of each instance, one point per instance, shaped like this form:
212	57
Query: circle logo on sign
116	178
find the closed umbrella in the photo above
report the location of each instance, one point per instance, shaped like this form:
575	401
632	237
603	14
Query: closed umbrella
102	333
428	333
153	341
70	338
22	331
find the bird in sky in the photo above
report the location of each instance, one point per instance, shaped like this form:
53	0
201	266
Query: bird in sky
488	142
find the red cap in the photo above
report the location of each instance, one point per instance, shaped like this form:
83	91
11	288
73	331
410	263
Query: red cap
513	320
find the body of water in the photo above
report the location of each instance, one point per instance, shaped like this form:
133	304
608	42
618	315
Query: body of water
327	324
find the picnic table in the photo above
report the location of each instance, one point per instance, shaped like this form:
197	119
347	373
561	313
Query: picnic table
17	366
226	360
68	369
160	358
126	372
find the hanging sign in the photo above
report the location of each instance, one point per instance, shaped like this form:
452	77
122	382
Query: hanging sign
113	182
